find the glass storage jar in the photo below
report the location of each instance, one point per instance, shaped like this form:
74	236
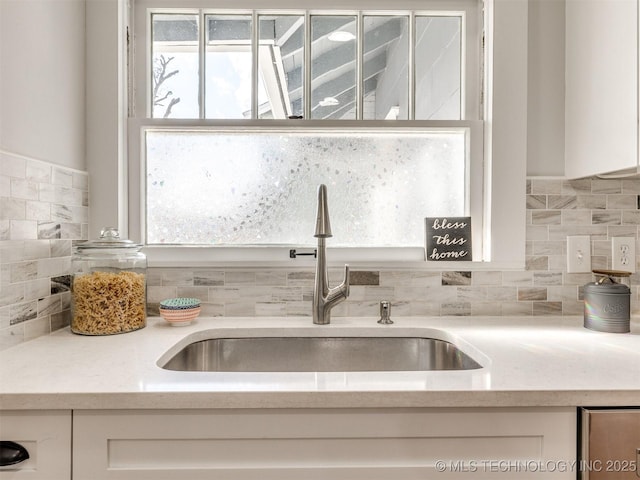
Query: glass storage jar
108	288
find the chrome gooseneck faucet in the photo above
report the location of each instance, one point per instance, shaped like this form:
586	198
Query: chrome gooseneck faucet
325	298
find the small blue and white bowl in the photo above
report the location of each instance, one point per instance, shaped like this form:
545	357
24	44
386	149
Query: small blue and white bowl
180	311
179	303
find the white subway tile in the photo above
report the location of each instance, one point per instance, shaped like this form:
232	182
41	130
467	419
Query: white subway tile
23	230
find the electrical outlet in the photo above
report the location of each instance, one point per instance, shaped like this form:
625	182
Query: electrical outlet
623	254
579	254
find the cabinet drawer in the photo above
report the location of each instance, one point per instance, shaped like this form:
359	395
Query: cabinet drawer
317	444
47	437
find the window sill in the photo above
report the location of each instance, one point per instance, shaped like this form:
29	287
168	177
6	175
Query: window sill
411	258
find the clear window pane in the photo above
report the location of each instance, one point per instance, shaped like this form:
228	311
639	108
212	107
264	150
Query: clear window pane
281	66
438	61
260	187
174	82
333	67
386	68
228	66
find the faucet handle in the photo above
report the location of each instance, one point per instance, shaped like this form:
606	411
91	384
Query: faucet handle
385	313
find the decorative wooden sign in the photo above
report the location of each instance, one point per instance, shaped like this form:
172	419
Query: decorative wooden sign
448	238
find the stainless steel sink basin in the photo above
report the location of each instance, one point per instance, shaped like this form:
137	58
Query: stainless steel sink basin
319	354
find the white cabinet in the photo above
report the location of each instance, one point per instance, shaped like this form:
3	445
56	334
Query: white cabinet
47	437
601	96
314	444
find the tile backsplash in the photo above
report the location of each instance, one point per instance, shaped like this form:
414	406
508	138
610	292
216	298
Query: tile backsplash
556	208
43	208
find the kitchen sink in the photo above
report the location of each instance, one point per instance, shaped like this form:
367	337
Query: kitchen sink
319	354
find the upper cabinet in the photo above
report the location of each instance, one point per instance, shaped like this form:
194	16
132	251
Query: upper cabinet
601	87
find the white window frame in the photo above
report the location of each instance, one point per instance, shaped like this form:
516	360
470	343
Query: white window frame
270	72
188	255
504	138
471	52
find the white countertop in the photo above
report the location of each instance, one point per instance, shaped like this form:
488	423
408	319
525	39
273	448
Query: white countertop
527	361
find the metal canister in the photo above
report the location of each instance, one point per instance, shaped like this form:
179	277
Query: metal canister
607	303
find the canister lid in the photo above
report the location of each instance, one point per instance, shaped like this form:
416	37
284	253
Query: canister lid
611	273
607	288
109	239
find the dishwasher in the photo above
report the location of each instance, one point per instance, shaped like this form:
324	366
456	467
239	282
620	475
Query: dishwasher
609	444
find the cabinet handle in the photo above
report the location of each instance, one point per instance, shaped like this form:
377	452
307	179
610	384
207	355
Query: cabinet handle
12	453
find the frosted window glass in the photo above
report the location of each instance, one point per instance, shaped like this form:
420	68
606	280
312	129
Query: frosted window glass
249	188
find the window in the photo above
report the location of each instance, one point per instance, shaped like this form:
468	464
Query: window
313	65
380	196
276	89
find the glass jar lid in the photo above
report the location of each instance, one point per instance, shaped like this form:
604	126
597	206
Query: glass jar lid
109	240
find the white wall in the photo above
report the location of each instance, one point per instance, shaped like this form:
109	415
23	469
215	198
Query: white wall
106	107
545	115
42	81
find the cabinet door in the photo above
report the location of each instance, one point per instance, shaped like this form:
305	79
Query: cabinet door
601	117
47	437
610	444
335	444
